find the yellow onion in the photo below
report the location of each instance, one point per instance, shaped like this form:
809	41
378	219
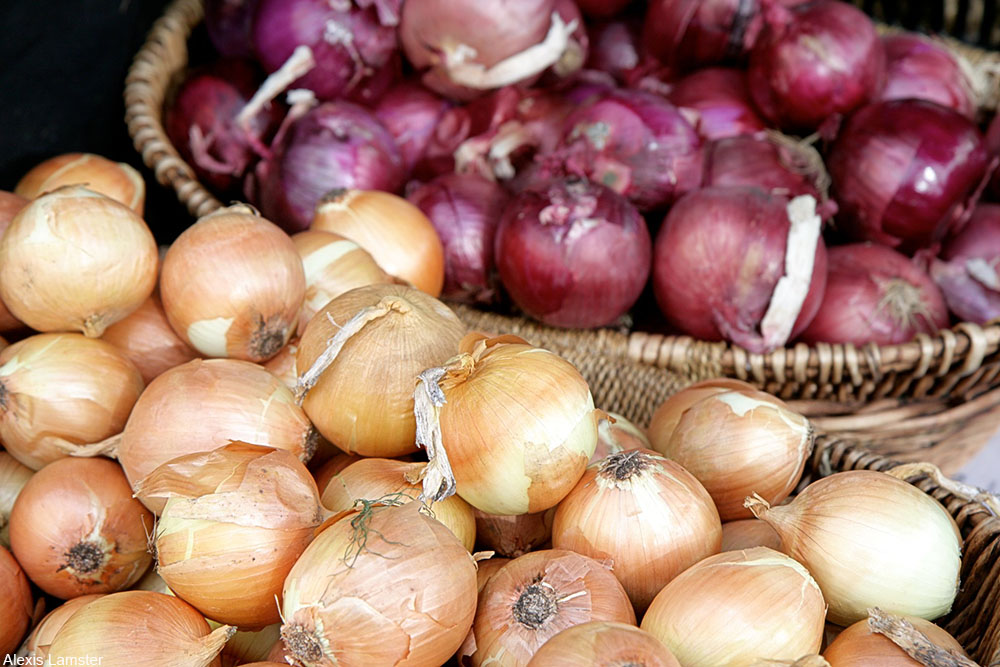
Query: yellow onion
741	442
75	260
265	663
116	180
643	513
148	341
232	285
13	476
204	404
37	644
601	643
747	533
10	205
279	654
235	520
536	596
332	467
859	646
871	540
373	478
61	391
248	647
397	234
15	603
388	585
669	413
359	358
485	569
283	364
133	628
76	529
152	581
333	265
739	607
617	435
516	423
513	535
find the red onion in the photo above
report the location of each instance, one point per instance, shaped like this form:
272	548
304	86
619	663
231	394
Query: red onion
993	146
201	122
411	113
717	102
920	68
813	62
636	143
573	253
229	24
466	47
614	48
718	260
875	295
349	43
337	145
602	8
906	172
465	210
770	161
967	271
686	34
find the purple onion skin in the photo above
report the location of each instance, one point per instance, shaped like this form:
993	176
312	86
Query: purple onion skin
350	45
573	254
335	145
465	210
969	298
229	24
993	146
720	100
411	113
906	172
814	62
210	98
919	68
614	48
602	8
717	259
636	143
686	34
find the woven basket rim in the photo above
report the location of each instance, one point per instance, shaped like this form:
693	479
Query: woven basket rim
961	348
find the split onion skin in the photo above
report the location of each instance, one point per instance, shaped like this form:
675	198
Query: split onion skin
16	603
116	180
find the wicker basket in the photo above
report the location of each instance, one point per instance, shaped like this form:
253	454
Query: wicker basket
934	399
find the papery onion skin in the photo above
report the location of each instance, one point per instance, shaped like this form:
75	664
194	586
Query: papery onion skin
532	598
233	246
875	295
871	540
350	45
148	340
38	642
89	262
398	236
906	172
367	408
716	262
77	529
139	627
689	33
918	67
16	604
720	100
600	643
666	417
645	514
282	365
400	580
116	180
374	478
814	61
332	467
465	210
773	610
13	476
963	270
10	205
514	535
60	392
411	113
748	533
858	646
552	251
204	404
334	146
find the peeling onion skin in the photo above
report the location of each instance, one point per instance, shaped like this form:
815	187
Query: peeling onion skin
720	99
972	292
858	646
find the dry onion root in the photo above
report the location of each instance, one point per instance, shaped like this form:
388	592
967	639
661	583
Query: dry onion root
77	529
508	426
235	521
387	585
75	260
139	628
204	404
13	476
603	643
358	359
61	391
737	607
147	339
37	644
116	180
646	514
15	602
